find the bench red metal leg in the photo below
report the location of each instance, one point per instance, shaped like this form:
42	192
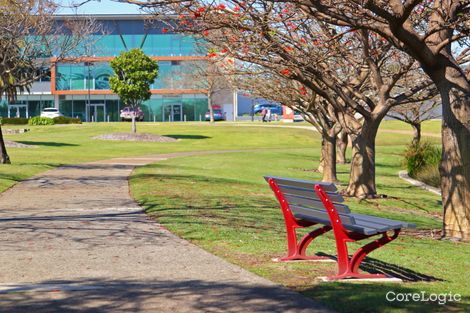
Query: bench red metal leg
296	251
349	267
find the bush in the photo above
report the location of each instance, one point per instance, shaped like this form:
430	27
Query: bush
430	175
420	156
14	121
66	120
37	120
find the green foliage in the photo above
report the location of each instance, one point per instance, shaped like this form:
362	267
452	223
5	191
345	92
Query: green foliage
418	156
14	121
66	120
430	175
134	72
38	120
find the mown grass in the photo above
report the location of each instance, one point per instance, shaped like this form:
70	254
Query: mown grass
222	203
69	144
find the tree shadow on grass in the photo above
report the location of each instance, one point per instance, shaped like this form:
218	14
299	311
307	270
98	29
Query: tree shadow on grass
47	143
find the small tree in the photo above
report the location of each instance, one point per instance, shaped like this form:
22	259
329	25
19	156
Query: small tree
134	72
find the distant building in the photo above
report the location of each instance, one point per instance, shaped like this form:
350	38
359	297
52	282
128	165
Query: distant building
79	87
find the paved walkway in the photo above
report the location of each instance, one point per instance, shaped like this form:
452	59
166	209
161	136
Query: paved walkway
72	240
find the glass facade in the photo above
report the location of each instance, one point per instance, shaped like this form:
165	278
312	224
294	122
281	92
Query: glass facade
80	76
120	33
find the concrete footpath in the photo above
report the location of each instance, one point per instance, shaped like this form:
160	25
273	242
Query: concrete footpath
73	240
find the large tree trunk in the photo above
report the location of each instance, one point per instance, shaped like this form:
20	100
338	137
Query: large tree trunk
455	165
329	156
342	144
362	175
416	133
5	159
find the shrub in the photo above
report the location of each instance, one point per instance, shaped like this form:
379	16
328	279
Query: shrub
37	120
418	156
14	121
430	175
66	120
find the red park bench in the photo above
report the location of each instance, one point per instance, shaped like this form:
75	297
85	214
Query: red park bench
307	203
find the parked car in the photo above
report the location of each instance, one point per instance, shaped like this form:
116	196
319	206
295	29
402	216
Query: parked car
298	117
275	108
218	115
126	114
51	112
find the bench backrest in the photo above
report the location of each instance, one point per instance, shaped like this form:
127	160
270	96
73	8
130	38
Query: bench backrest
304	203
302	193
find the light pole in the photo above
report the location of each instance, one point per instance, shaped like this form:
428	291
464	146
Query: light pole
89	64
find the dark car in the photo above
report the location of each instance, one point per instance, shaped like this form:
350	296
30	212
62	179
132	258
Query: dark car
275	109
218	115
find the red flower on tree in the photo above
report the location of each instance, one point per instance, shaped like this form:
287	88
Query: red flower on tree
205	33
285	72
302	90
164	30
221	6
212	55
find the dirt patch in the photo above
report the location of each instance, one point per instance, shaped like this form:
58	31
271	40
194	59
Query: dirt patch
135	137
14	144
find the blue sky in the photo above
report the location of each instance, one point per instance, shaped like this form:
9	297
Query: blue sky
98	7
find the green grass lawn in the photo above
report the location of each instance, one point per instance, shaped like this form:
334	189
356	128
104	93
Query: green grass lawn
221	203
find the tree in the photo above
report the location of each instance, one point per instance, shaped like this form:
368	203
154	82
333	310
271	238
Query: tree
415	114
29	39
134	72
356	72
425	30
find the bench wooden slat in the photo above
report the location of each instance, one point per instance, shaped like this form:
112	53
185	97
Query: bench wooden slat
378	227
348	221
345	218
351	227
309	193
382	221
316	204
306	184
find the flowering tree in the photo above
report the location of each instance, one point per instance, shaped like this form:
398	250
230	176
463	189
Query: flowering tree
354	71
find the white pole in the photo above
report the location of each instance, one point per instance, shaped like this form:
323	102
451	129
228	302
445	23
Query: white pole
154	119
108	118
200	118
185	117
